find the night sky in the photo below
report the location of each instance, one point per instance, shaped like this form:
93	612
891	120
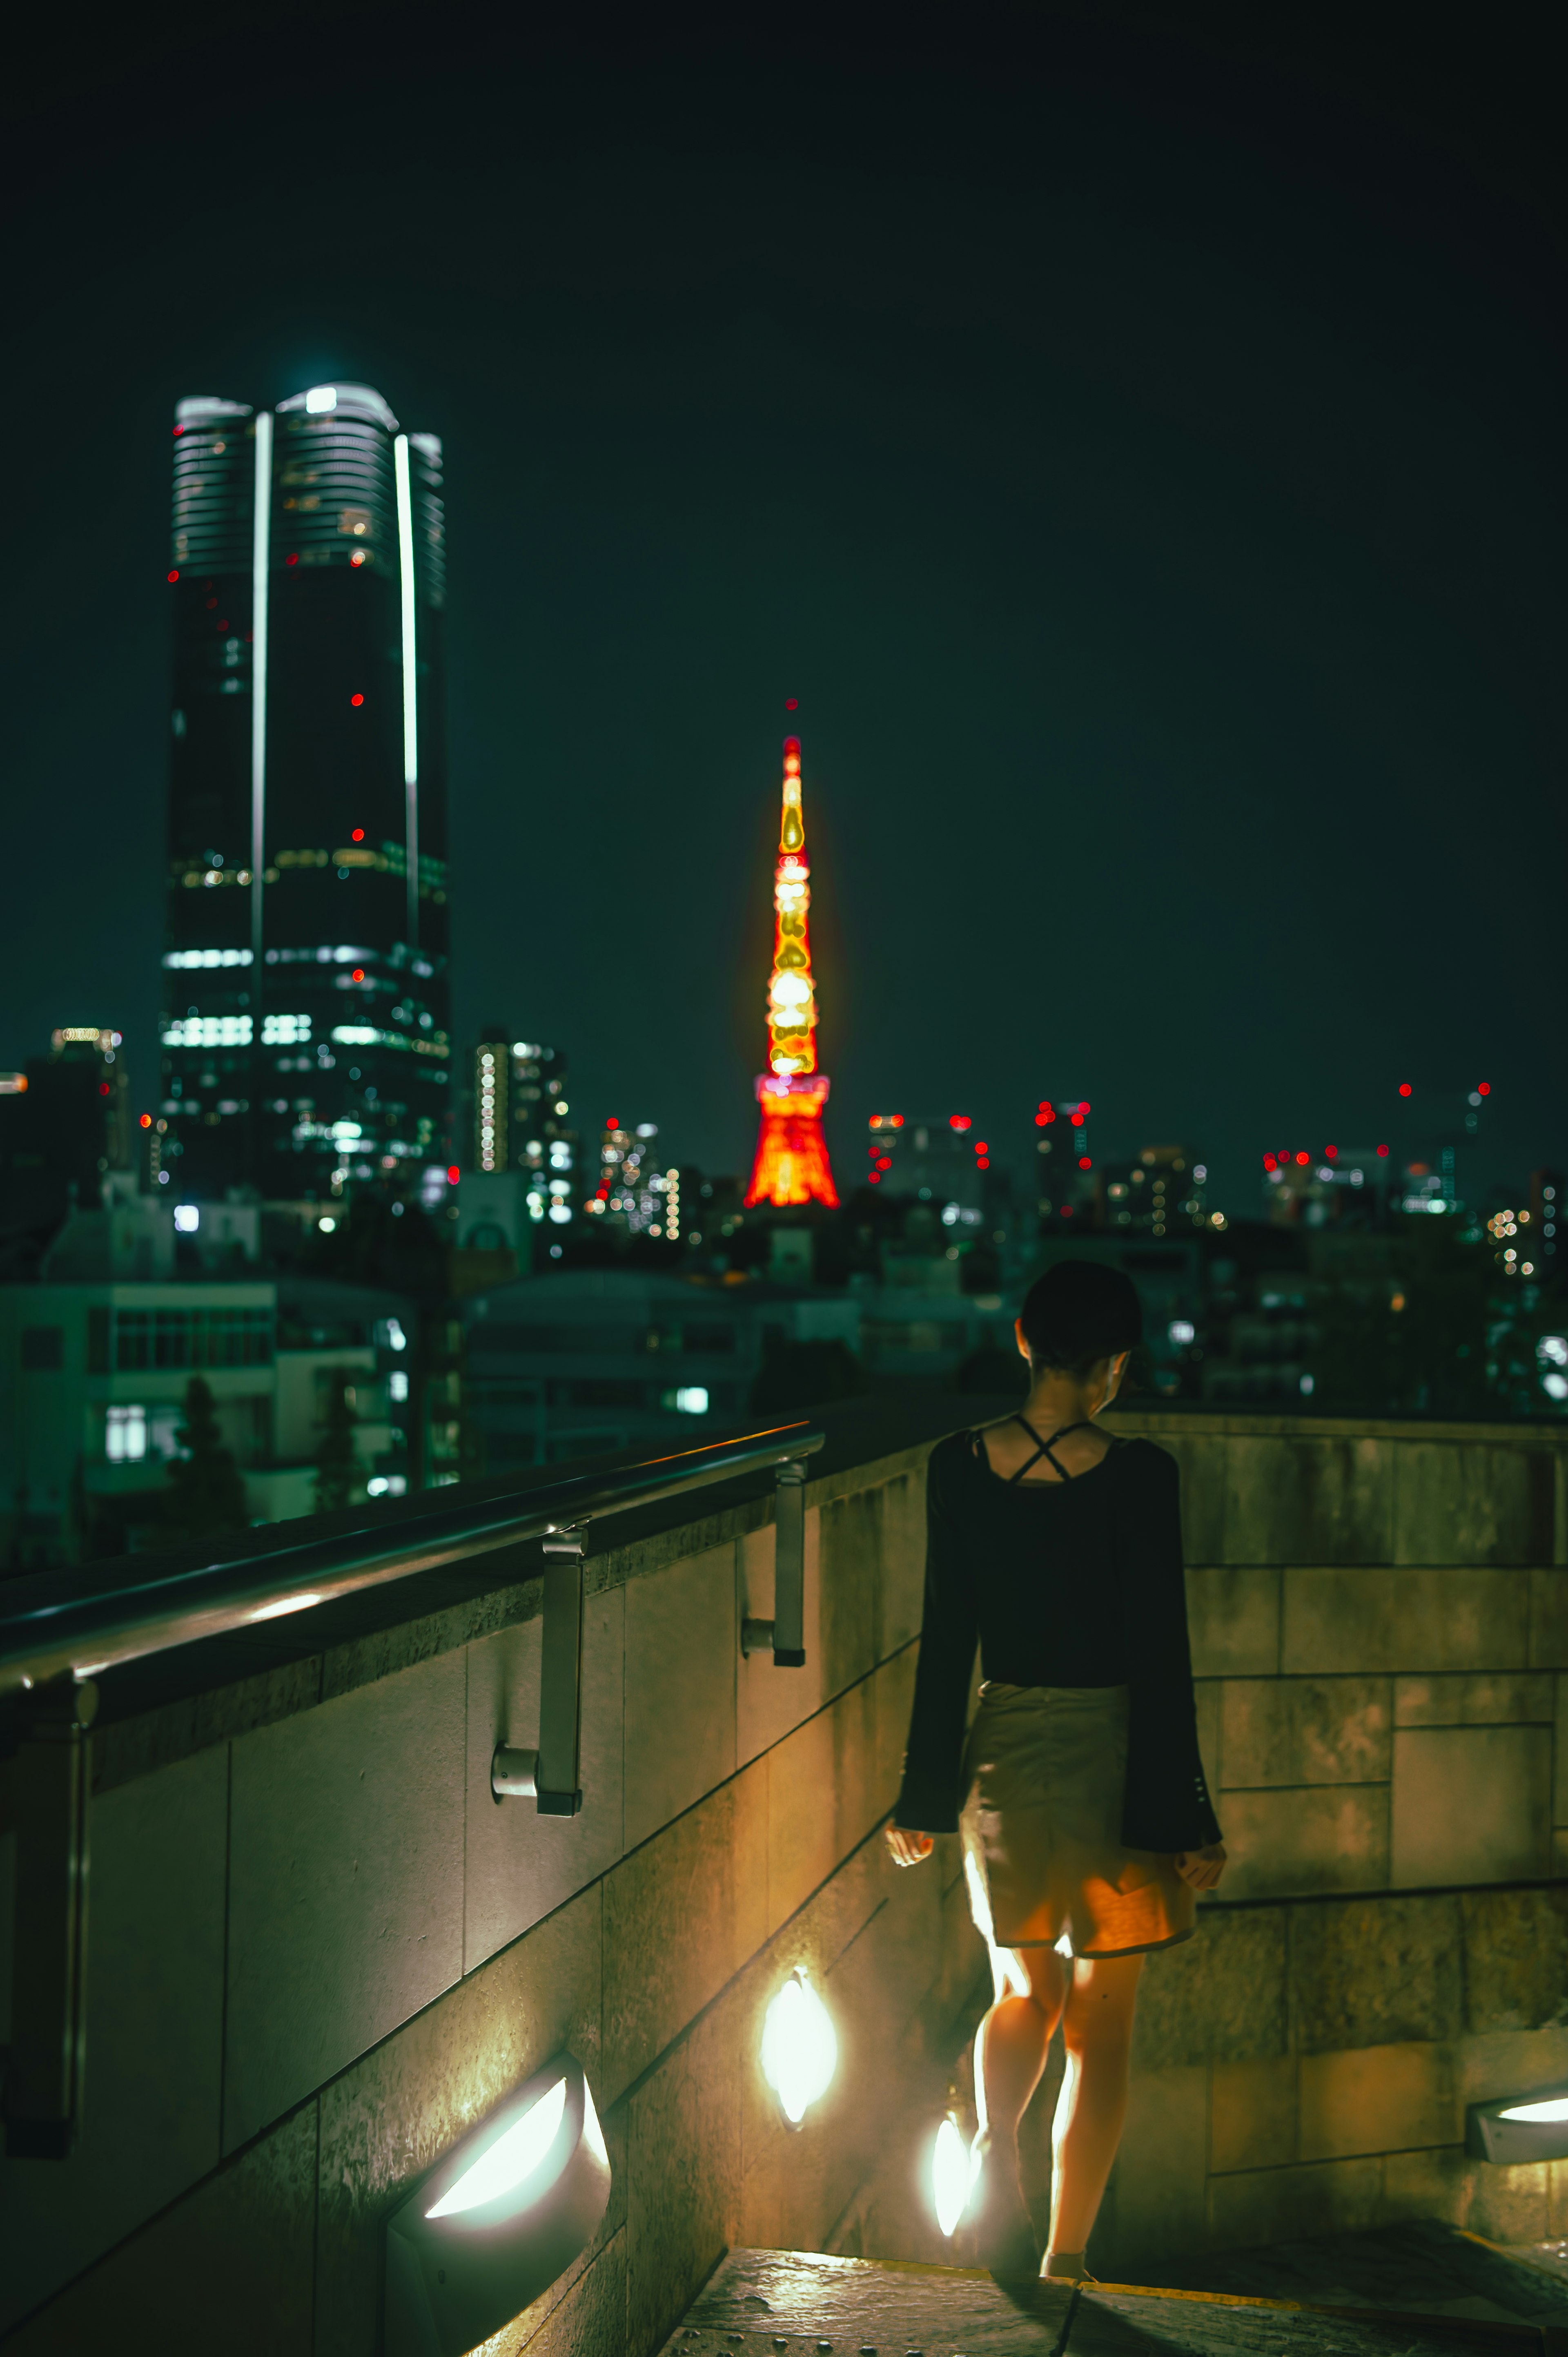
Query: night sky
1138	448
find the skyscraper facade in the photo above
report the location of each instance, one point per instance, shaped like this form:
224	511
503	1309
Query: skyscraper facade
304	1031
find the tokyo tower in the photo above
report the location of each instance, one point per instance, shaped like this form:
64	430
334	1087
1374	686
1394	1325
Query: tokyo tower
791	1163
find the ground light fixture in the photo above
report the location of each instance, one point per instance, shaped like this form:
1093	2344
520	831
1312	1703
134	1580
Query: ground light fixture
499	2219
1510	2128
950	2174
799	2047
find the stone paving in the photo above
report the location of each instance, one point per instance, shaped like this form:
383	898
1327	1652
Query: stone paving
801	2304
1419	2267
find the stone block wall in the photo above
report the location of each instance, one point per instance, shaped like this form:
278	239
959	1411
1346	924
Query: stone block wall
1379	1625
320	1951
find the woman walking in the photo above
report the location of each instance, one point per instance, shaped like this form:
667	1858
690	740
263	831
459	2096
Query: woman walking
1080	1793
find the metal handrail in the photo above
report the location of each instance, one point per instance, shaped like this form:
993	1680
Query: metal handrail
73	1621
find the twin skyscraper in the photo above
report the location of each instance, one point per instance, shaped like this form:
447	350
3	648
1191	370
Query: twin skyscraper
306	1034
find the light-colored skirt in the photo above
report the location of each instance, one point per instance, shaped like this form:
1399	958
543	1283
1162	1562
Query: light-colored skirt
1045	1768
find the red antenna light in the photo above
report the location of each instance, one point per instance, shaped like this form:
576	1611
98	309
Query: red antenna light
614	1122
1332	1151
1404	1088
1084	1162
791	703
356	699
359	835
1483	1088
1382	1149
175	575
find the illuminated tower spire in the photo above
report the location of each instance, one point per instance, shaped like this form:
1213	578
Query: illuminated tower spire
791	1164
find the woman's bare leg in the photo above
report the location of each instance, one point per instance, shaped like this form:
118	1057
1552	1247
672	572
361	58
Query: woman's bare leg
1097	2031
1012	2041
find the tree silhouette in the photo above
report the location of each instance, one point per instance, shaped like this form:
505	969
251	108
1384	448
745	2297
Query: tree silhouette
337	1460
205	1493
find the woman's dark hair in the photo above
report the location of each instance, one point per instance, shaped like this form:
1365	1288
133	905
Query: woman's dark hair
1080	1312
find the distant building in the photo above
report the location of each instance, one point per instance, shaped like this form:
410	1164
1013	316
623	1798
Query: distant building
1162	1193
1065	1187
520	1133
941	1160
94	1370
305	1030
589	1360
1310	1187
637	1191
64	1123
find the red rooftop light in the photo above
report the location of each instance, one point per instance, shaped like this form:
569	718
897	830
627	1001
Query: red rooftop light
359	835
453	1175
614	1122
1404	1088
175	575
356	699
1084	1163
1270	1163
1382	1149
1483	1088
1332	1152
1304	1157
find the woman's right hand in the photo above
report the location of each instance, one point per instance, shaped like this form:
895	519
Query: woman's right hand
1202	1867
906	1848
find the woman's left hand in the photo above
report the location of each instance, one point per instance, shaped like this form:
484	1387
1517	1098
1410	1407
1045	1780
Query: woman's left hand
1202	1867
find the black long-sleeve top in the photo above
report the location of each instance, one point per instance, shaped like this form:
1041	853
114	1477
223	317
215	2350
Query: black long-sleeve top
1075	1583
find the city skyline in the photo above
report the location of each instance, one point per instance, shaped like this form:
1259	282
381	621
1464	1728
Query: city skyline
1138	672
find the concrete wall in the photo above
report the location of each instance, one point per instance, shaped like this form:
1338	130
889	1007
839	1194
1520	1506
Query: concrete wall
320	1952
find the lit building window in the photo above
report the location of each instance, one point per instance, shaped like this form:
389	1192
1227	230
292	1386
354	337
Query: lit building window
125	1436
